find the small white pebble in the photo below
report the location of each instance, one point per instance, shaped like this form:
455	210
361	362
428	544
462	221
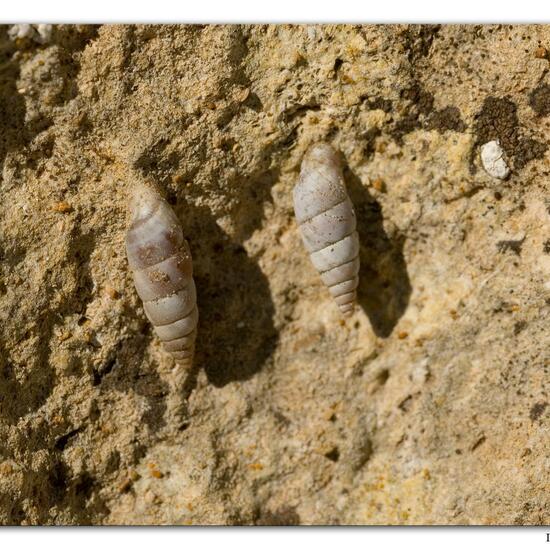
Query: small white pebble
493	161
44	33
41	33
311	33
20	31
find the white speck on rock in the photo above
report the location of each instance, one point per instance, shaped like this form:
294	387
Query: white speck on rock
420	372
44	33
41	33
493	161
20	31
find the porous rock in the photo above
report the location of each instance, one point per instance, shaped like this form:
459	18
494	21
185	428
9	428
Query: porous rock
428	406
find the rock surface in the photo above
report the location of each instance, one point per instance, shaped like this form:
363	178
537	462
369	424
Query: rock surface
428	406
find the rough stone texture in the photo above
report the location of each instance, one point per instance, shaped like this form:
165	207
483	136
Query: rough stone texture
429	406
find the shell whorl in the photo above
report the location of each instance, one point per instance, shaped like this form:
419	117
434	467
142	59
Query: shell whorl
327	224
161	264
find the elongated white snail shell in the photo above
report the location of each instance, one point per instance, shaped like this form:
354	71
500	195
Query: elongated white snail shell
160	260
327	223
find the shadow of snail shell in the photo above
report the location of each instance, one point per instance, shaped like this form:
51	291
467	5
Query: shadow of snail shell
327	224
160	260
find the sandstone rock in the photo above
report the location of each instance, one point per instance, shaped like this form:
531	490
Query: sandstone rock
429	406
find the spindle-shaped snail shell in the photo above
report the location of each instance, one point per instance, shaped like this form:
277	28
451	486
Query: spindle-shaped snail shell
327	224
160	260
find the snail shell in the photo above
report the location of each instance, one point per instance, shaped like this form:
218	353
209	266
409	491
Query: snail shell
160	260
327	224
